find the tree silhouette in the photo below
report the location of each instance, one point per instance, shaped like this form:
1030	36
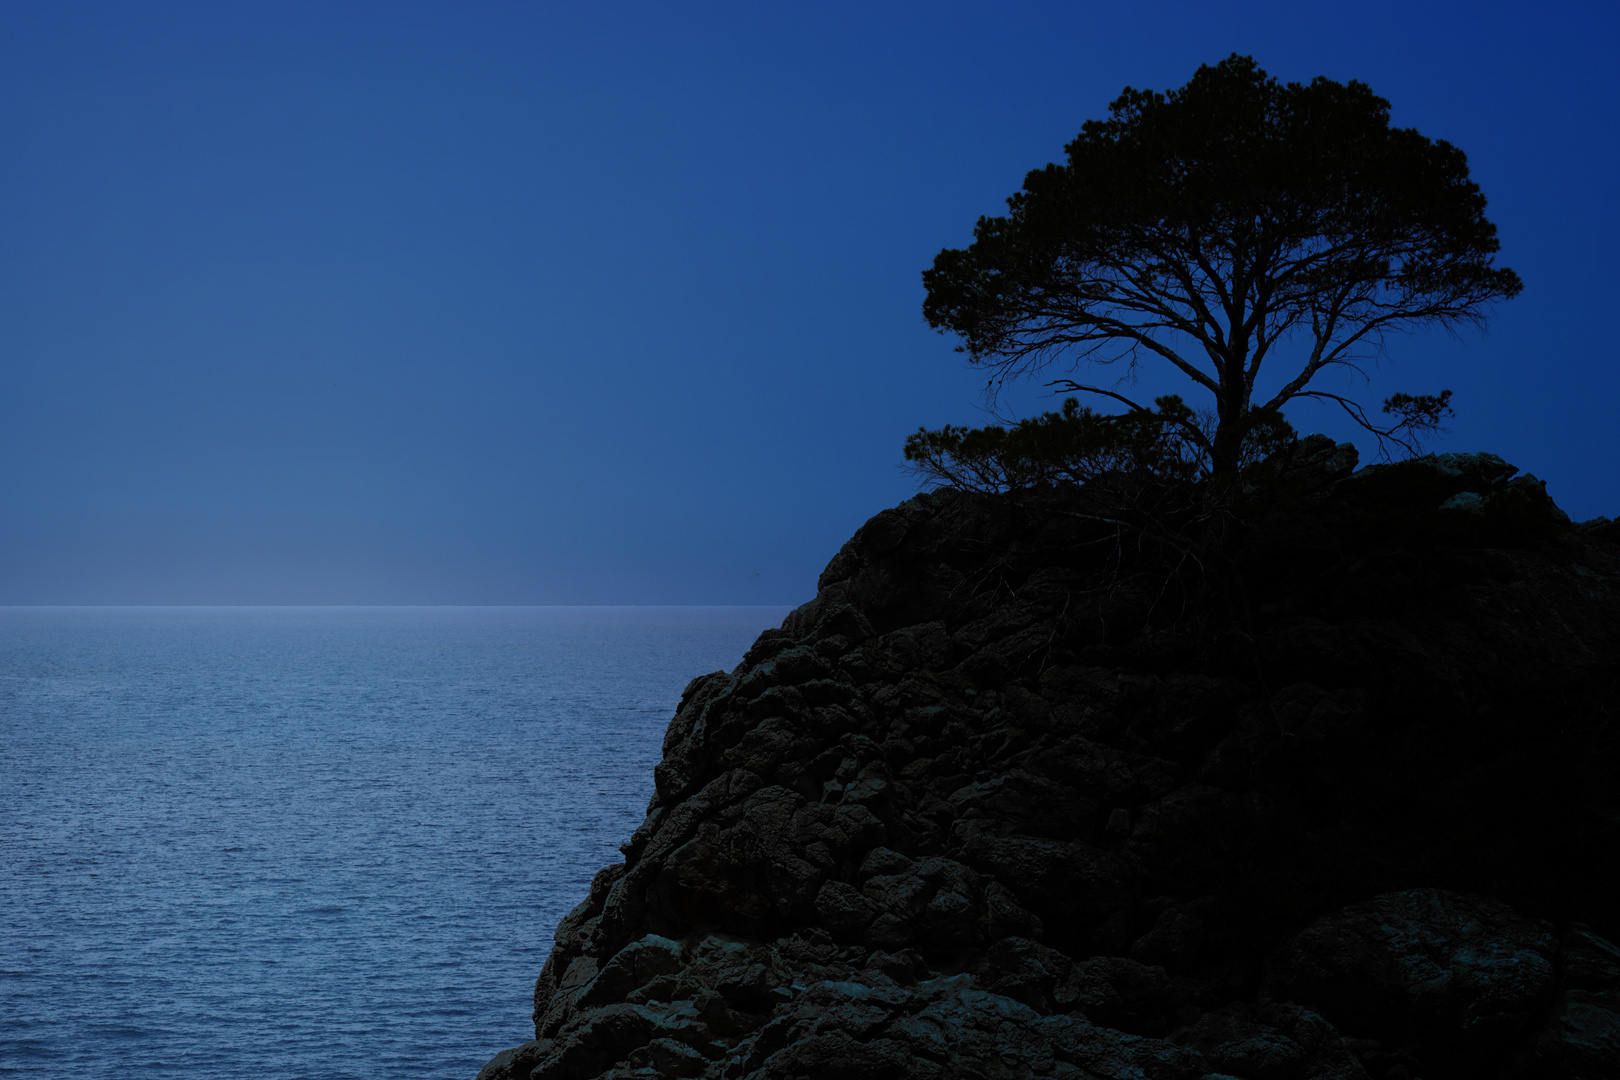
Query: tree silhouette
1214	225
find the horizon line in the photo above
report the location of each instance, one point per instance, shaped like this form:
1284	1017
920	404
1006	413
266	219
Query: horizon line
336	606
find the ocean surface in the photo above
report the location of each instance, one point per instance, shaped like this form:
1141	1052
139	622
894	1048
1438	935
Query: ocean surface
313	842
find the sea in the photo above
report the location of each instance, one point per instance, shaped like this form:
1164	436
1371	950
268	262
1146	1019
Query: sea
314	842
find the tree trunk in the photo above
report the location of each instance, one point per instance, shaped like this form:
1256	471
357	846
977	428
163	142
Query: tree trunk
1226	451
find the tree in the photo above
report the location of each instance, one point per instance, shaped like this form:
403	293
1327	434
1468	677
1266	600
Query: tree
1211	225
1078	447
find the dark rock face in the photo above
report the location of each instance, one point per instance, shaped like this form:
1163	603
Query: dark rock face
992	805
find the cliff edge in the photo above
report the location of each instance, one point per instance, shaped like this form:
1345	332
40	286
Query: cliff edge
999	802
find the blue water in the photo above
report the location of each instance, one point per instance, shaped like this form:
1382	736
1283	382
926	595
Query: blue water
306	842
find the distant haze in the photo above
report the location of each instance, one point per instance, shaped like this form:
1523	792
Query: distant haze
516	303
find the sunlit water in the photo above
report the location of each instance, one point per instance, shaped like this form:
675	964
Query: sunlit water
325	843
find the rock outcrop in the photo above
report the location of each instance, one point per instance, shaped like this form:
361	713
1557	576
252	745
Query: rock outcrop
1000	802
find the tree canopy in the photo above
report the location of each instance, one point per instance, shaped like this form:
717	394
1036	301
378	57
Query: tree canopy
1219	227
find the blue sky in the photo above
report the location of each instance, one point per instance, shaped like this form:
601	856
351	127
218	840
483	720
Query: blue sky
620	303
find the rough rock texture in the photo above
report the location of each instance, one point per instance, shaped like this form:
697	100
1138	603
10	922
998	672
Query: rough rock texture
999	802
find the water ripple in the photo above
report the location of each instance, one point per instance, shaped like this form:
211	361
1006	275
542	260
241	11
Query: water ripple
313	842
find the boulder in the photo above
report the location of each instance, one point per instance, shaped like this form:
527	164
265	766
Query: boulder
1465	978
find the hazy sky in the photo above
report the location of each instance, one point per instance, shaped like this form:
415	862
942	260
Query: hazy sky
619	303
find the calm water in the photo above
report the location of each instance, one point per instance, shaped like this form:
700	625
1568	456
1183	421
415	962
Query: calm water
306	842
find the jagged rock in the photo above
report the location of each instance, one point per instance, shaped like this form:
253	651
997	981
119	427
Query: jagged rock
631	968
1470	493
1465	977
1475	471
1467	502
1011	797
1582	1038
1602	528
1311	463
1272	1041
1118	992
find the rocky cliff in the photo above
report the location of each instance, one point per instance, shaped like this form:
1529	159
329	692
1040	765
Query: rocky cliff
1001	802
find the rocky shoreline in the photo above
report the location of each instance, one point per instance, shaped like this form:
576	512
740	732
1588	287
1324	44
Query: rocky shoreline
989	806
